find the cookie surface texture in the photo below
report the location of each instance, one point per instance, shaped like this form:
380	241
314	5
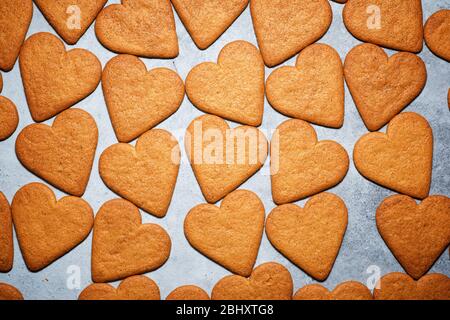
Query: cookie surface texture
188	292
436	33
9	118
6	235
349	290
8	292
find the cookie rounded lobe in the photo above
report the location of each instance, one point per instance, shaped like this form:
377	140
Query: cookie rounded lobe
9	118
437	29
188	292
6	235
8	292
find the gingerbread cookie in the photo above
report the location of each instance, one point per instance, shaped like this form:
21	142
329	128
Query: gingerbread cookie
310	237
63	153
313	90
132	172
122	246
139	27
70	18
15	19
233	88
436	33
301	166
382	86
188	293
349	290
55	79
8	292
229	235
223	158
6	235
9	118
394	24
132	288
269	281
284	28
138	99
207	20
1	83
46	228
416	234
401	159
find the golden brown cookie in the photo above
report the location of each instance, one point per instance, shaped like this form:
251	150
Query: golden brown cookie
63	153
9	118
268	281
283	28
207	20
223	158
6	235
233	88
8	292
349	290
1	83
416	234
400	286
139	27
313	90
188	293
401	159
146	174
46	228
310	237
122	246
132	288
436	33
55	79
138	99
382	86
229	235
15	19
70	18
301	166
394	24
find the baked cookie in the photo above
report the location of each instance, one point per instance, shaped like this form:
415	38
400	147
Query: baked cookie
6	235
268	281
436	33
188	293
55	79
132	288
399	286
1	83
223	158
63	153
139	27
310	237
15	19
9	118
284	28
382	86
8	292
416	234
122	246
349	290
131	172
207	20
46	228
300	165
138	99
394	24
233	88
229	235
70	18
401	159
313	90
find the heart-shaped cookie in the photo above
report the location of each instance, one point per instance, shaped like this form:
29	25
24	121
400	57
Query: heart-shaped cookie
122	246
70	18
223	158
401	159
382	86
394	24
63	153
55	79
416	234
132	288
268	281
207	20
233	88
138	99
399	286
313	90
284	28
310	237
47	229
436	33
349	290
300	165
15	19
9	118
229	235
6	235
188	293
8	292
139	27
146	174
